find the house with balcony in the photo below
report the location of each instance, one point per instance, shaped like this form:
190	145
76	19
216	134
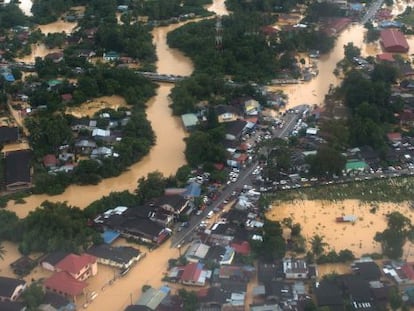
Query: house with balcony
80	267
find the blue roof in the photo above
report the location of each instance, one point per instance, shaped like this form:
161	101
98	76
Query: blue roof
109	236
193	190
8	77
165	289
356	6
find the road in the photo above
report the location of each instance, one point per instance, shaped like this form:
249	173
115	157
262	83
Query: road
372	10
185	235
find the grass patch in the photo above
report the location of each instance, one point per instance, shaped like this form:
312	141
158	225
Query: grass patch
397	189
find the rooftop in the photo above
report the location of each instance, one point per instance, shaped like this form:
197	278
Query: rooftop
73	263
65	283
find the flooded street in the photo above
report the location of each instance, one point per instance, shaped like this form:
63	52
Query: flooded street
314	91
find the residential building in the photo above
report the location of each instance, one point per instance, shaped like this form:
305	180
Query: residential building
80	267
55	302
226	113
50	261
174	204
111	56
367	269
196	251
8	134
11	289
12	306
152	297
328	294
393	40
133	223
194	274
190	121
295	268
121	257
18	170
65	284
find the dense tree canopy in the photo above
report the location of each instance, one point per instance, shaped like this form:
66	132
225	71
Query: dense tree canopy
48	132
11	16
151	187
273	246
326	163
245	54
368	99
56	226
393	238
204	147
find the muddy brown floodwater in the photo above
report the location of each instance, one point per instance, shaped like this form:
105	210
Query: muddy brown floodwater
319	217
166	156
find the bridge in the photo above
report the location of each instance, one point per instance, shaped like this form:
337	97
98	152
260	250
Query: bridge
158	77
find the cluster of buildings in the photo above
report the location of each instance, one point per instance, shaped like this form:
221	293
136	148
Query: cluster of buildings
68	277
152	222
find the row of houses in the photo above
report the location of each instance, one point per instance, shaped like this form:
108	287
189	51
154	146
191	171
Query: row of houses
149	223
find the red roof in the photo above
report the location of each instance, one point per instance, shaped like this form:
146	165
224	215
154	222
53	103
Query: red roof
407	115
242	158
388	57
66	97
242	248
192	272
408	270
395	136
269	30
65	283
74	263
393	40
49	160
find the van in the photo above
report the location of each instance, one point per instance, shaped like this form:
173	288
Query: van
210	214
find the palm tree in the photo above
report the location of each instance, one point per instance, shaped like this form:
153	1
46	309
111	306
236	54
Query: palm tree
318	245
2	252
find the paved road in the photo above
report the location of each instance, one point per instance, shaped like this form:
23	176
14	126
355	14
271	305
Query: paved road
372	10
185	235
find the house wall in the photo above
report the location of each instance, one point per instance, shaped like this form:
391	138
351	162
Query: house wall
116	264
18	186
192	283
18	291
48	266
291	275
227	117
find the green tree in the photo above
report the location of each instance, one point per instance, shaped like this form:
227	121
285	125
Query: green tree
190	300
33	296
327	162
393	238
318	245
8	225
152	186
395	299
351	51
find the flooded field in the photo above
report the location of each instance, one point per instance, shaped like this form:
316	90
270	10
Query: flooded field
89	108
319	217
38	50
